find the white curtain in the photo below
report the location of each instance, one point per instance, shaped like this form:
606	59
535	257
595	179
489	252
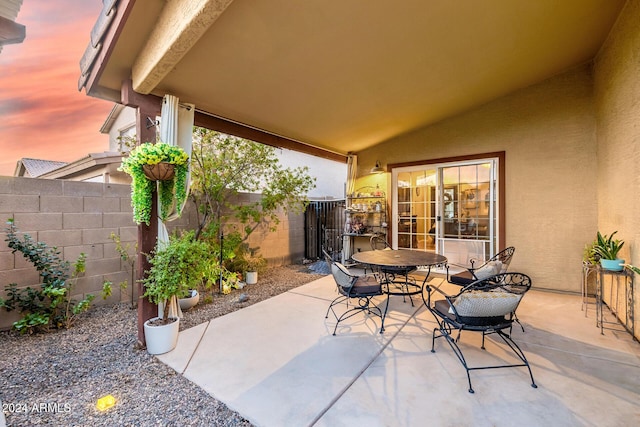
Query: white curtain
176	128
352	173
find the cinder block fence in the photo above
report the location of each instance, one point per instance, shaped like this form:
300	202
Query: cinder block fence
79	217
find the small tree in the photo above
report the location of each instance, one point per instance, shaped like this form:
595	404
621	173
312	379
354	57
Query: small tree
224	166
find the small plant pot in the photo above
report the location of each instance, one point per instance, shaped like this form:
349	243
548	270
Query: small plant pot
159	172
161	338
612	264
190	301
252	277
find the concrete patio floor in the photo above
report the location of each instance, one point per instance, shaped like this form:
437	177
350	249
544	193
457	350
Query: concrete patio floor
278	364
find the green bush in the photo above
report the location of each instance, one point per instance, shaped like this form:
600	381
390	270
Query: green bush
50	306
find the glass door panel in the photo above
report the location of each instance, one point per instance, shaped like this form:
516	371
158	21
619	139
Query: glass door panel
416	210
466	229
447	208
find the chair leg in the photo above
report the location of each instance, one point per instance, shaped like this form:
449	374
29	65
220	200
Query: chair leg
364	306
445	331
518	351
336	301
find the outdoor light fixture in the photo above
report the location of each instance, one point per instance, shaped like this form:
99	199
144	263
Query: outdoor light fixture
377	168
106	402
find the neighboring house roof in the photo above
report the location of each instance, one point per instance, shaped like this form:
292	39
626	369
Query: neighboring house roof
94	163
111	118
34	168
10	31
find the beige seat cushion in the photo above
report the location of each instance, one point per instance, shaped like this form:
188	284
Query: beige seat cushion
486	304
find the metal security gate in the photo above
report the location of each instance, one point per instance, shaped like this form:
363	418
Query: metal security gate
324	225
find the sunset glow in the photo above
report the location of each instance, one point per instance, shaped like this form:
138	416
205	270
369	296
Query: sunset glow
43	115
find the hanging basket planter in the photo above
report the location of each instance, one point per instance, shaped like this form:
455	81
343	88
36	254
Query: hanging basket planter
160	171
161	162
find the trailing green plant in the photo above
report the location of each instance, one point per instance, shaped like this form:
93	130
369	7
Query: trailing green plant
175	269
142	188
606	247
50	306
632	268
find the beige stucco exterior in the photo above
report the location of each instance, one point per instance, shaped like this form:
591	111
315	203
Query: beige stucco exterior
617	106
572	155
550	203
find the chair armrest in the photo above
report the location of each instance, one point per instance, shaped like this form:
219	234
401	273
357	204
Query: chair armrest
432	289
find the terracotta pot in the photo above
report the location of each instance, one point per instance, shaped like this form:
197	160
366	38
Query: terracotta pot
159	172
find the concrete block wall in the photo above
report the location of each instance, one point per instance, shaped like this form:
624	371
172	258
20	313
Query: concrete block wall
74	217
283	246
79	217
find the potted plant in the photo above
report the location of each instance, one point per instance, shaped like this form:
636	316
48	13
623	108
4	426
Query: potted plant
254	264
607	248
175	269
149	163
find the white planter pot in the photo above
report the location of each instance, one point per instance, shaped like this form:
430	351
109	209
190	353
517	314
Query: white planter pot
189	302
252	277
161	339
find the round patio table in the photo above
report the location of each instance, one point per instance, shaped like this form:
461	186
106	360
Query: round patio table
404	261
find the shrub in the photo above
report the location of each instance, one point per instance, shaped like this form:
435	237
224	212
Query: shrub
50	305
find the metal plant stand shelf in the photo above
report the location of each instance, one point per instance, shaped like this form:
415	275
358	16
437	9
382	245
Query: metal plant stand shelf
615	301
588	269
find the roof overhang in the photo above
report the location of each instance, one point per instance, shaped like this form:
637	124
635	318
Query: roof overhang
10	31
337	77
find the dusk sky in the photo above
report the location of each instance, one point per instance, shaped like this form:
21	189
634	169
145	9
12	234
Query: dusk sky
42	113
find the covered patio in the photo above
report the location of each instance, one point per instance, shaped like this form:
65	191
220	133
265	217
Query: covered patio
277	363
550	87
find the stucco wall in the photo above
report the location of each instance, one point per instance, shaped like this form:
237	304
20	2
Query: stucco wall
80	216
617	101
548	134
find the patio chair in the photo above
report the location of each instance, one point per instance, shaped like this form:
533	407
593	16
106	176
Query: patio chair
499	263
389	275
359	288
487	306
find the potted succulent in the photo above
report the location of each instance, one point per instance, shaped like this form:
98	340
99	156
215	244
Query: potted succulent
175	270
150	163
607	248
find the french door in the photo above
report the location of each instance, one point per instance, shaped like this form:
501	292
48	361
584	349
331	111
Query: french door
450	208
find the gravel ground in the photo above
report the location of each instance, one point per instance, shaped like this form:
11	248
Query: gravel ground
55	379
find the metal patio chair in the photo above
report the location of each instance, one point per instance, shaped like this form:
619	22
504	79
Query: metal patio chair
358	288
499	263
487	306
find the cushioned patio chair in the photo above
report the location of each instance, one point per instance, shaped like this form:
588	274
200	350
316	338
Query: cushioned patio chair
359	288
487	306
499	263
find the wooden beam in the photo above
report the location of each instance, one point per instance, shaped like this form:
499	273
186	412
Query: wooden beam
147	108
243	131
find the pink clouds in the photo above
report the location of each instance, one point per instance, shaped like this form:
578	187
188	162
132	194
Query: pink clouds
42	113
